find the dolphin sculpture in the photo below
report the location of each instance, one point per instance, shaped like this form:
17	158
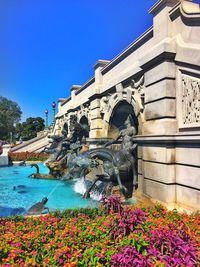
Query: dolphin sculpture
38	208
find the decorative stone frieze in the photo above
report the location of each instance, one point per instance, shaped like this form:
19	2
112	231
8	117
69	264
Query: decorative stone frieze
84	111
190	100
138	90
104	102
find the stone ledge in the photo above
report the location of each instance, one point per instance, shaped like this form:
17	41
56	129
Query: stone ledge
162	126
159	172
162	70
4	161
156	190
161	89
169	139
160	108
188	176
188	197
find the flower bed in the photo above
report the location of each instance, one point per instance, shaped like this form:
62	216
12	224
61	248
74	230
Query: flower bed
31	156
109	236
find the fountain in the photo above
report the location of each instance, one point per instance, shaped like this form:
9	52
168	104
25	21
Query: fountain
101	168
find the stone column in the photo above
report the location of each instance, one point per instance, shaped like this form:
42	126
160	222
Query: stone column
4	156
74	88
156	165
96	126
161	20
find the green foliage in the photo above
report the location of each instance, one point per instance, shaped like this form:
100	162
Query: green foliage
24	156
82	237
29	129
10	113
72	213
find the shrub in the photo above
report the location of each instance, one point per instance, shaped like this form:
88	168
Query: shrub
174	248
129	257
24	156
89	237
73	213
112	204
126	222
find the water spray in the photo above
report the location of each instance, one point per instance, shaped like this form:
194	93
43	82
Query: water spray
58	183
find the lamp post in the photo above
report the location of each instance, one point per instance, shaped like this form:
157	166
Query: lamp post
54	110
46	117
11	138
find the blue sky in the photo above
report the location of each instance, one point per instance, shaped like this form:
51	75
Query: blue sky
48	45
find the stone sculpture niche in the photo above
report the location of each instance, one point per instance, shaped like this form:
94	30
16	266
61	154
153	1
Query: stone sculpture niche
69	159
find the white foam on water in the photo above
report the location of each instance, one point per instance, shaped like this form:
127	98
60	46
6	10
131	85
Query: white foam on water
80	187
95	196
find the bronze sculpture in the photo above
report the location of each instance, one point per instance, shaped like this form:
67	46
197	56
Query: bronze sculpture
118	166
38	208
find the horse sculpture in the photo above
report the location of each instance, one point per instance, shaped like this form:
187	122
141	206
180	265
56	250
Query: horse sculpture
118	166
62	149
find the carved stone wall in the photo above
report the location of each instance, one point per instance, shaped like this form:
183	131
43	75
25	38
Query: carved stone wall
190	100
158	75
133	94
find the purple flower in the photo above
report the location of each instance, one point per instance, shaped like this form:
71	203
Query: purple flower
129	257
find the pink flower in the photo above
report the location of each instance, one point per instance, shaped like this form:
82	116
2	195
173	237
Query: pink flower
34	252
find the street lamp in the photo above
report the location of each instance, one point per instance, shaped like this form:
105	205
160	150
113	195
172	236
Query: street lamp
46	117
11	137
54	110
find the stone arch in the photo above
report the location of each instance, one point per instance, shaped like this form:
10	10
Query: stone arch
133	94
133	99
118	117
85	123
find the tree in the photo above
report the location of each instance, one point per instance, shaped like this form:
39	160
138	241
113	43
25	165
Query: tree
29	129
10	114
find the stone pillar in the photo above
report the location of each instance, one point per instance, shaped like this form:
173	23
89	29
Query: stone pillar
96	126
96	123
98	66
156	165
161	19
60	101
74	88
160	100
4	156
158	158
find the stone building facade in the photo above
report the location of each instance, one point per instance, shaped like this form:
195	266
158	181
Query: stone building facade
157	80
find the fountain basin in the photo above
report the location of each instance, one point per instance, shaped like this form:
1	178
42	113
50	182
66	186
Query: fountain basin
18	191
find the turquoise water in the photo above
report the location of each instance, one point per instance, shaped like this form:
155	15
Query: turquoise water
17	190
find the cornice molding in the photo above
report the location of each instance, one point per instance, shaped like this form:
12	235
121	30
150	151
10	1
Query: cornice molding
189	12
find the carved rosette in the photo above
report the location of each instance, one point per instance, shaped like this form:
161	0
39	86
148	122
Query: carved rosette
190	100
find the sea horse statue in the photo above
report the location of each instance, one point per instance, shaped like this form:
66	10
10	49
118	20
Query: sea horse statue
119	166
62	148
